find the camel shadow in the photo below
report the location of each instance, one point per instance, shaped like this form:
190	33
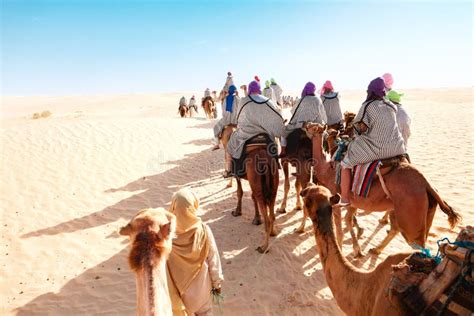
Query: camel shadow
154	191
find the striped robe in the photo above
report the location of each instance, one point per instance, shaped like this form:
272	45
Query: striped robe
381	140
332	108
227	117
310	109
257	115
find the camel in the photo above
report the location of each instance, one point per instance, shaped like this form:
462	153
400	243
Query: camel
228	130
244	88
183	110
356	292
262	175
348	127
209	107
301	159
412	201
151	232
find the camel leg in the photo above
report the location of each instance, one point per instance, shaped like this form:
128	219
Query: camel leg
350	221
285	166
300	229
271	216
429	220
257	220
384	219
228	165
263	210
240	193
298	197
360	230
390	235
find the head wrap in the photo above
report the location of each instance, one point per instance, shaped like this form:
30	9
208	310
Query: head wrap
257	78
229	73
376	87
191	246
394	96
273	81
327	86
229	100
267	84
254	88
308	89
388	79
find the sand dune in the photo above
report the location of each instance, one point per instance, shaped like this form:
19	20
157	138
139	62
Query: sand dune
70	181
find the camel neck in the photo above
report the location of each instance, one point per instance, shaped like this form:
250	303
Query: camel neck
152	291
325	173
342	278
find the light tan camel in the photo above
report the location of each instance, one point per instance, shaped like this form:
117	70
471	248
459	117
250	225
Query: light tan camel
244	88
151	232
356	292
412	204
262	175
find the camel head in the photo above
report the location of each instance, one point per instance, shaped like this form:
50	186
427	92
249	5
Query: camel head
349	117
315	128
318	203
151	232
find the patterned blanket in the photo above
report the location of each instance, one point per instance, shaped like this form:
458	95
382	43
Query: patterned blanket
363	177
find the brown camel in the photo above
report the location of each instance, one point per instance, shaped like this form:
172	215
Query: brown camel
209	107
262	175
301	159
228	130
412	204
183	110
356	292
348	127
151	232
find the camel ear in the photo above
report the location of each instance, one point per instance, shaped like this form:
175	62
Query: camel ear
305	191
165	230
126	230
335	199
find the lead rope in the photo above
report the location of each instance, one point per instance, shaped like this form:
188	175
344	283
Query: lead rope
382	182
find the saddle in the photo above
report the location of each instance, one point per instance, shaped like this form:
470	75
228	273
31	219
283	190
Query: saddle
440	285
257	142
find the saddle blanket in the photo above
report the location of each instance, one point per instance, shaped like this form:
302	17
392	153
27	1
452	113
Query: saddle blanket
363	176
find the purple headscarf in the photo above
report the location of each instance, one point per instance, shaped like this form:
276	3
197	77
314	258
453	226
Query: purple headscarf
309	89
254	88
376	87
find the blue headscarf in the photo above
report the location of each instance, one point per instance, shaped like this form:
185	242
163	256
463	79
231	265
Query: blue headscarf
229	100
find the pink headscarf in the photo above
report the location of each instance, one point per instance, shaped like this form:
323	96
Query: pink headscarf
388	79
326	86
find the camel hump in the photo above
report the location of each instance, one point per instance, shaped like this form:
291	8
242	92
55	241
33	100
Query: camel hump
453	215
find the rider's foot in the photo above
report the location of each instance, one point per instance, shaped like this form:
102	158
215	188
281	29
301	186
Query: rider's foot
216	147
344	203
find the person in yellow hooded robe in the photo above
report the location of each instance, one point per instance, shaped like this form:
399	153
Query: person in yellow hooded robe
194	265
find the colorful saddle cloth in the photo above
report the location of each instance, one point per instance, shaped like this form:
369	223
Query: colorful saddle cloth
363	176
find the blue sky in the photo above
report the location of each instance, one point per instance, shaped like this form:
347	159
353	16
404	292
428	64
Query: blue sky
107	46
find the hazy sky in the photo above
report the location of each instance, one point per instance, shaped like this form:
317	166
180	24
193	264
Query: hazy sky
107	46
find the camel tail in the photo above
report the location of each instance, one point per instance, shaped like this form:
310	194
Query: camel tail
453	215
267	184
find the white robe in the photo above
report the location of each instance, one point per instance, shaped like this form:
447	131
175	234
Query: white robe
227	117
404	123
257	115
309	110
198	298
278	92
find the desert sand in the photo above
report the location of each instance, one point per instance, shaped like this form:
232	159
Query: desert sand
71	180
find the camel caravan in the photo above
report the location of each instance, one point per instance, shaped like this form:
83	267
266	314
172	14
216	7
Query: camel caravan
340	162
